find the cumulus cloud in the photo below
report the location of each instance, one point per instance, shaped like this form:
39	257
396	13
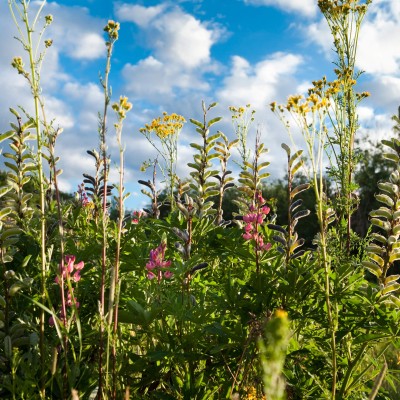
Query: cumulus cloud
76	33
138	14
261	83
180	48
307	8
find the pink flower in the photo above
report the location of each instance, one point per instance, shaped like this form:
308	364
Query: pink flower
168	274
157	262
254	219
137	215
68	271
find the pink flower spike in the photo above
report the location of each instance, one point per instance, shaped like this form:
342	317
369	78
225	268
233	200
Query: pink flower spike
247	236
77	276
266	246
79	266
168	274
150	275
265	210
51	321
70	257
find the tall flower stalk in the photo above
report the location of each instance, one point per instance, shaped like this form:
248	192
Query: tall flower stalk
310	115
121	108
166	129
344	18
20	11
111	29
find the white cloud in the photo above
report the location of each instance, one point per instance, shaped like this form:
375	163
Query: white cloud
307	8
138	14
259	84
75	32
180	48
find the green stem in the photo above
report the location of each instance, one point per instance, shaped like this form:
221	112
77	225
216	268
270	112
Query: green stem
34	81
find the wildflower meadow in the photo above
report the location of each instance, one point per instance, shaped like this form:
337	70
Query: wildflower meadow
211	291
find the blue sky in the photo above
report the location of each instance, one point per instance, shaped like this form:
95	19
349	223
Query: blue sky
173	54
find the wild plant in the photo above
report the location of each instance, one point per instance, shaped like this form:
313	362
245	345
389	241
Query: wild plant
154	192
121	108
166	129
223	149
20	12
344	19
111	29
242	121
288	240
203	188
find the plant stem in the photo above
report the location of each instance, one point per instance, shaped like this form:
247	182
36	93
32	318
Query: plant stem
34	81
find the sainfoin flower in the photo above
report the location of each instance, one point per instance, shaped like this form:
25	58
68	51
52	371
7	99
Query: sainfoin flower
157	266
254	219
136	216
67	271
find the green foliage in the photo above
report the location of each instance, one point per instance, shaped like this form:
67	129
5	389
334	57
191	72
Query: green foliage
199	308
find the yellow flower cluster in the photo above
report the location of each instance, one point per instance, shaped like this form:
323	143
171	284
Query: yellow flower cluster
252	394
238	112
112	29
164	126
122	107
336	8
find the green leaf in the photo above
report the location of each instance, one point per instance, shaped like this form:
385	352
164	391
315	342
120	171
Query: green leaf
197	123
382	212
377	259
299	189
381	224
6	135
391	278
214	121
390	288
294	157
383	198
196	146
373	268
297	167
394	257
369	337
391	157
286	148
